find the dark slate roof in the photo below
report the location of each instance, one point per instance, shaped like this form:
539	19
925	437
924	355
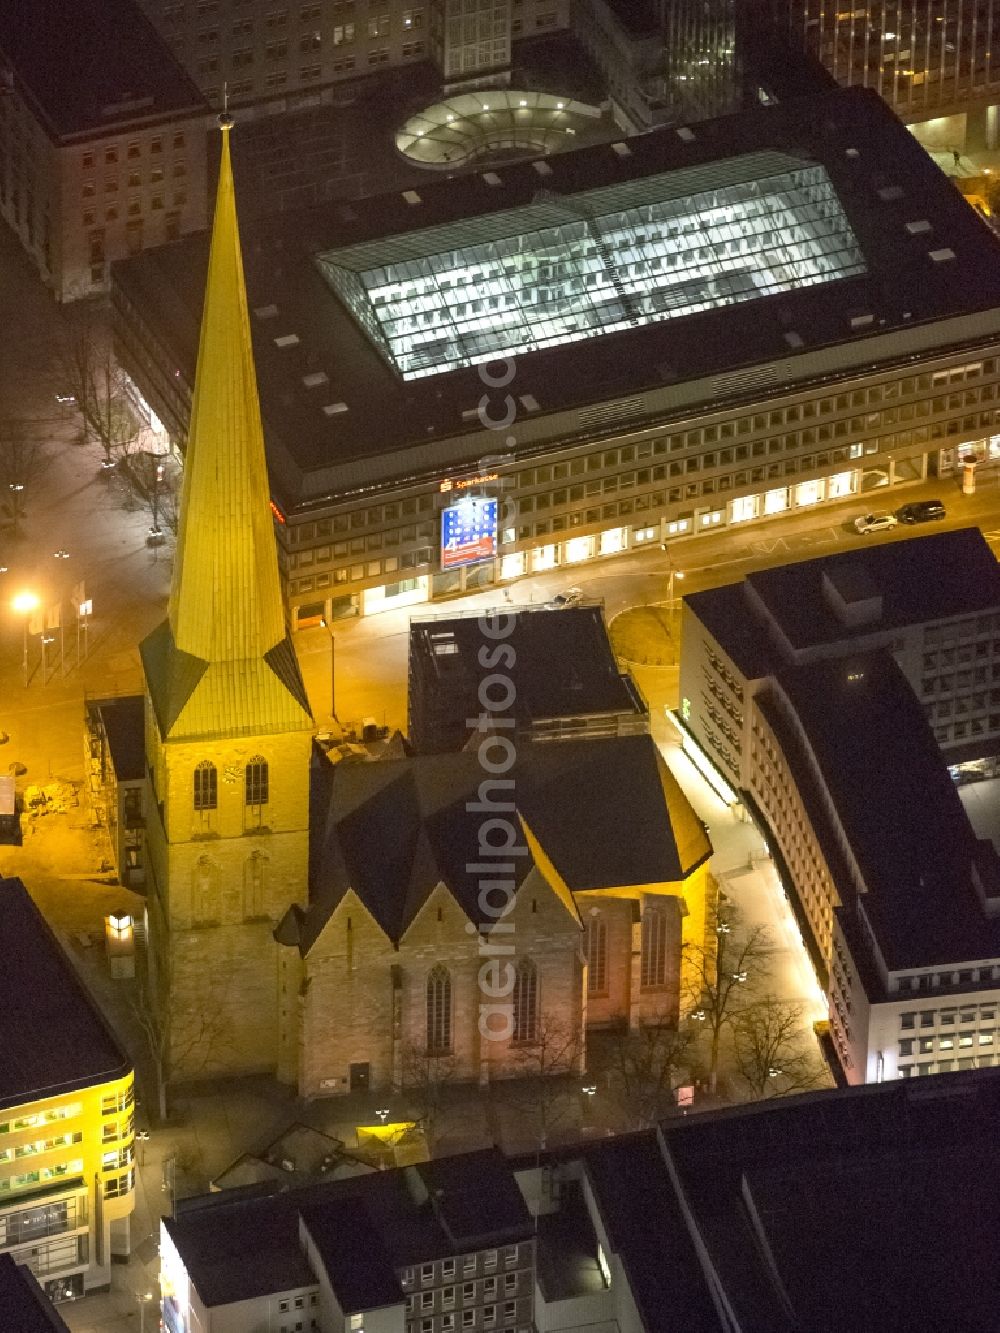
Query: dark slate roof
53	1037
606	811
899	809
24	1307
883	1198
919	579
646	1228
353	1255
458	1186
395	429
562	666
124	726
89	66
239	1244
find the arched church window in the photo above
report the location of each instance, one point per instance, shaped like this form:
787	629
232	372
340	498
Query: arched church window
256	787
526	1001
206	786
596	949
438	1011
654	947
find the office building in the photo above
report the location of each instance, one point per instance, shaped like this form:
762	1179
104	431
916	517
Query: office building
658	392
67	1174
102	140
831	695
565	679
932	63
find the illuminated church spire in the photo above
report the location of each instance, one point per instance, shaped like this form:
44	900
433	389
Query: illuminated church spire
222	663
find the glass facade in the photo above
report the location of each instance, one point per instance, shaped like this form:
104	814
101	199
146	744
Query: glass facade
620	257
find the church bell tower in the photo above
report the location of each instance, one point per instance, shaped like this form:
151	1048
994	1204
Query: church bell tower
228	726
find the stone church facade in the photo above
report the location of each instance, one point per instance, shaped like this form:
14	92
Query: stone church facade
323	921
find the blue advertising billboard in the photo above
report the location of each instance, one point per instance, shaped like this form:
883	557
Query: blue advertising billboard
468	531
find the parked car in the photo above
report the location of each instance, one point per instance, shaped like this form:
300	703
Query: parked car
875	523
921	511
571	597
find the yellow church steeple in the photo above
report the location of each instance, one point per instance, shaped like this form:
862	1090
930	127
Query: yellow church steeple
222	663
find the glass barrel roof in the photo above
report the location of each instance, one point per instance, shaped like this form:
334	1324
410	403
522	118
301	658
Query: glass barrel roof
570	267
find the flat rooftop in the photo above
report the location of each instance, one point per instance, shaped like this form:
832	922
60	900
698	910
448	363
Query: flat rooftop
899	808
682	283
898	1180
124	725
918	579
88	66
563	668
24	1307
53	1038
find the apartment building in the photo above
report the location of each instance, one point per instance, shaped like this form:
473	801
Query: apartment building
660	401
102	140
67	1174
435	1248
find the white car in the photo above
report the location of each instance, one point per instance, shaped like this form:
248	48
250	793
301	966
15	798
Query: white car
875	523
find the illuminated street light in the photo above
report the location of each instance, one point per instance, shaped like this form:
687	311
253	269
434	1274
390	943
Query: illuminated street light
697	1016
383	1114
23	604
144	1299
723	928
774	1073
739	976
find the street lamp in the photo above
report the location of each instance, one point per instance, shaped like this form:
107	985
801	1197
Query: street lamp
144	1298
739	976
23	604
155	532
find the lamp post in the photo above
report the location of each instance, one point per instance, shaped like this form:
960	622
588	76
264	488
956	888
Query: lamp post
144	1298
155	532
328	626
23	604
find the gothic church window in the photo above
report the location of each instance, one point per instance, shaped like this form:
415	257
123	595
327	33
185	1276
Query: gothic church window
596	943
438	1011
526	1002
256	781
654	947
206	786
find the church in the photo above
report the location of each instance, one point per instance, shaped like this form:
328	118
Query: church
330	920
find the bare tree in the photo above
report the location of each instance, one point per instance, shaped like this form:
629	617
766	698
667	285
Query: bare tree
23	460
195	1051
540	1086
645	1067
721	977
98	384
424	1079
155	479
772	1051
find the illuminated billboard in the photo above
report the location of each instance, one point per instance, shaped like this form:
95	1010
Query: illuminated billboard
468	531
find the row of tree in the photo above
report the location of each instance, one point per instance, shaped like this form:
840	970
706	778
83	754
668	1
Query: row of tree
94	387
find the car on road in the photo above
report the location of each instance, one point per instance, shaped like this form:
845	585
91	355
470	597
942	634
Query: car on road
562	600
875	523
921	511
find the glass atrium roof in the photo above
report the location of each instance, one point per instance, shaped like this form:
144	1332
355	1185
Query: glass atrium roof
568	267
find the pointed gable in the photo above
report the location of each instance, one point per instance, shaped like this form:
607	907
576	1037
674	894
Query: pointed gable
222	664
